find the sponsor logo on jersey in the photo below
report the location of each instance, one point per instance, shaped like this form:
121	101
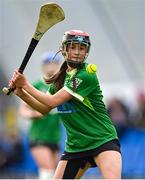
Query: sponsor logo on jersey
67	108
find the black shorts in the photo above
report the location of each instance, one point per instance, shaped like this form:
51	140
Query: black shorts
88	156
52	146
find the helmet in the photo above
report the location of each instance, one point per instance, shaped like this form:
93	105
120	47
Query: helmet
73	36
76	36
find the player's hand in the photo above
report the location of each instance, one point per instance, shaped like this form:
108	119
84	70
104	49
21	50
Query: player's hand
18	80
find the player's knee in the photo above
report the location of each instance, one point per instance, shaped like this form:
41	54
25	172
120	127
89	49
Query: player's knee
111	173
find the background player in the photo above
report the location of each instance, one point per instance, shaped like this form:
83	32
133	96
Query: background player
44	133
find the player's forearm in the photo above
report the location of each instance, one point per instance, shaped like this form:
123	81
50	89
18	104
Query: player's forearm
40	96
34	103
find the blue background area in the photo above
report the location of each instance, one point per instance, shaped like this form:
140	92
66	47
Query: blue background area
133	154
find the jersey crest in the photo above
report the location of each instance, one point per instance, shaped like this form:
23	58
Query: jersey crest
74	83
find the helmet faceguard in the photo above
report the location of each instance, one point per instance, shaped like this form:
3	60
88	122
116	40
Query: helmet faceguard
75	36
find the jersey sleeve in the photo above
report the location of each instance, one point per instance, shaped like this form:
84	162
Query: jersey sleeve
82	85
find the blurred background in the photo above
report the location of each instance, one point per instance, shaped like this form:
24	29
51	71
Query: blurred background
116	29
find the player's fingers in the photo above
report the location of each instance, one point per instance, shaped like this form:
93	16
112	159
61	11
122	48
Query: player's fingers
18	75
14	76
17	72
12	84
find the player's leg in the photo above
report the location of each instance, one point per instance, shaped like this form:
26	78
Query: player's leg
110	164
71	169
45	160
56	157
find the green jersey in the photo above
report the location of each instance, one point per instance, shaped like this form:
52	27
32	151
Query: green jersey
85	117
47	128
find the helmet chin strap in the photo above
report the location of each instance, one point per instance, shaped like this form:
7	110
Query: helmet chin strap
74	64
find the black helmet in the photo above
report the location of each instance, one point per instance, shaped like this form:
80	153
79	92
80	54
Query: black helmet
73	36
76	36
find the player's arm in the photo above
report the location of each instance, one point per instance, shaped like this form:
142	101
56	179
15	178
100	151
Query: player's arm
50	100
20	81
32	102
